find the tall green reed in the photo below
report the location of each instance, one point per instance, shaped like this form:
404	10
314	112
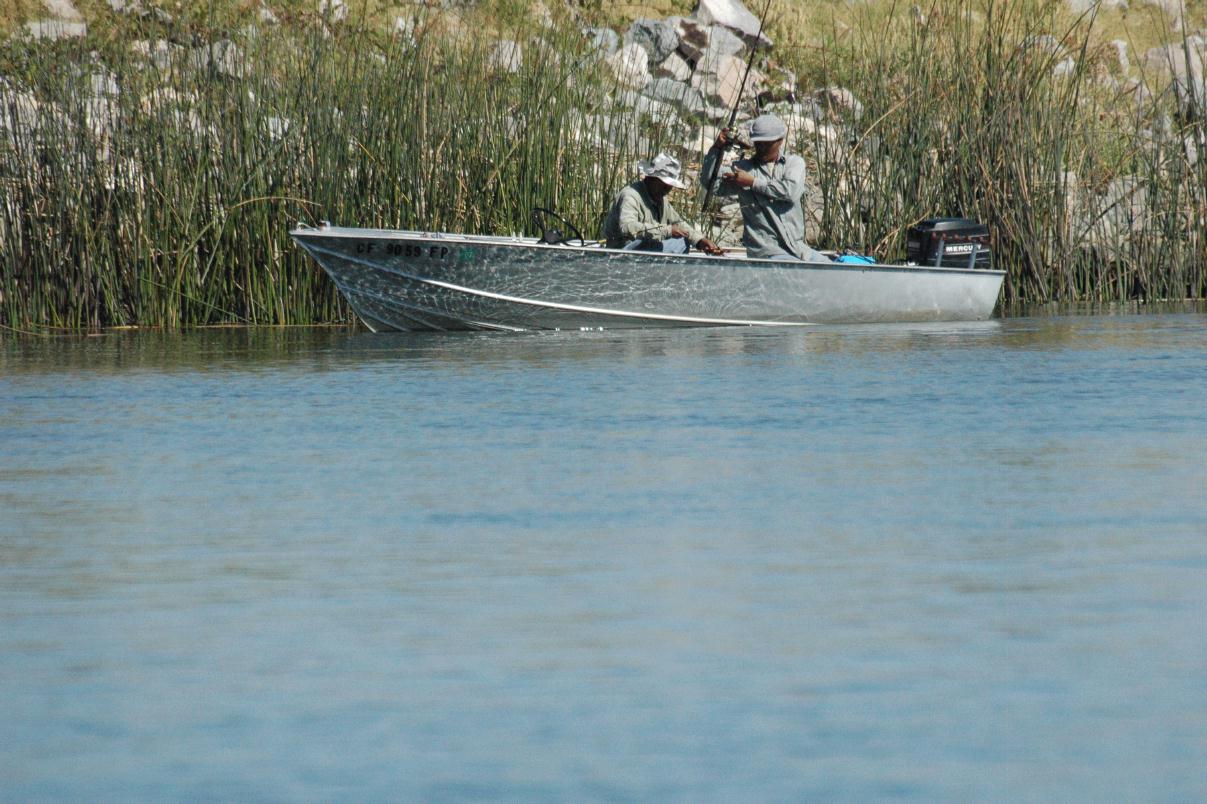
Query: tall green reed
169	203
1091	189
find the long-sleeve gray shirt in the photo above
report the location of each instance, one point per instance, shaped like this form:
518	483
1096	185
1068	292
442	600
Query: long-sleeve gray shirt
778	187
636	216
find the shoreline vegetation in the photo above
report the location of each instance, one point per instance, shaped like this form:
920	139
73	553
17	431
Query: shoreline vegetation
151	167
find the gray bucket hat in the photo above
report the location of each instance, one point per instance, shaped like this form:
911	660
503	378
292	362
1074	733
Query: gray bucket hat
663	167
767	128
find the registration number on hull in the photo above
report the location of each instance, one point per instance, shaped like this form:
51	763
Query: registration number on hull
371	247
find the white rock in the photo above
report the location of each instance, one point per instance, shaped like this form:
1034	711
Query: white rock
1118	48
1086	6
159	52
506	56
655	110
721	45
224	56
812	130
267	17
544	16
603	39
723	86
673	66
1044	43
63	10
693	37
56	29
405	27
126	6
733	15
334	10
1064	68
658	37
839	101
1172	59
278	127
20	114
682	96
105	83
630	65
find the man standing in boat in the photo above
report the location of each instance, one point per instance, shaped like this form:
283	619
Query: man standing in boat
642	217
769	186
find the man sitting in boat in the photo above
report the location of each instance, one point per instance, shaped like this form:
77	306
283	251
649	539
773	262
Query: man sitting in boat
769	186
642	217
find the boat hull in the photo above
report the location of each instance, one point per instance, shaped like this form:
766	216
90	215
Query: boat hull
397	280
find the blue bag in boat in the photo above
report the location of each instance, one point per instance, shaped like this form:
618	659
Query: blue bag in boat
855	258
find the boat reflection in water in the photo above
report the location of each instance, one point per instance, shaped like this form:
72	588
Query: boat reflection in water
403	280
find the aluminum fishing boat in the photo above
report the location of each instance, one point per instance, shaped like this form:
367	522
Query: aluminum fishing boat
403	280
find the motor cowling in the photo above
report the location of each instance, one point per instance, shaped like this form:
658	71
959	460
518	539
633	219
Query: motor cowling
949	243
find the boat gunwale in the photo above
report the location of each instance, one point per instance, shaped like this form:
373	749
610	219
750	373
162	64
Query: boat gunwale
304	232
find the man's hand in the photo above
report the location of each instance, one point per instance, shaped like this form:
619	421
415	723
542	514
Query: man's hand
679	231
709	247
742	178
723	140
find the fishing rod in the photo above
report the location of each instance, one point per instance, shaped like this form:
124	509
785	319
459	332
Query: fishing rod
733	115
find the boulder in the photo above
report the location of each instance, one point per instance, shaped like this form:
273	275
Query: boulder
138	9
603	39
658	37
506	57
630	65
333	10
1116	51
404	28
734	16
724	87
684	97
838	102
1078	7
278	127
673	66
1109	218
223	56
625	98
693	39
56	29
19	115
544	16
721	45
159	53
63	10
1172	59
1046	44
1172	9
655	110
104	83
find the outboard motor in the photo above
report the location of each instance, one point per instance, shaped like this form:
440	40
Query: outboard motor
949	243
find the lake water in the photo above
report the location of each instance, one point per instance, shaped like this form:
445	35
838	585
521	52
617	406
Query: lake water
937	562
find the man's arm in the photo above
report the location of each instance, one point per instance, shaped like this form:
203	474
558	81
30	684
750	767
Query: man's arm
789	187
678	224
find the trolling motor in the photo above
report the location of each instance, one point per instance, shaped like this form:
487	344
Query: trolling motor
554	236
